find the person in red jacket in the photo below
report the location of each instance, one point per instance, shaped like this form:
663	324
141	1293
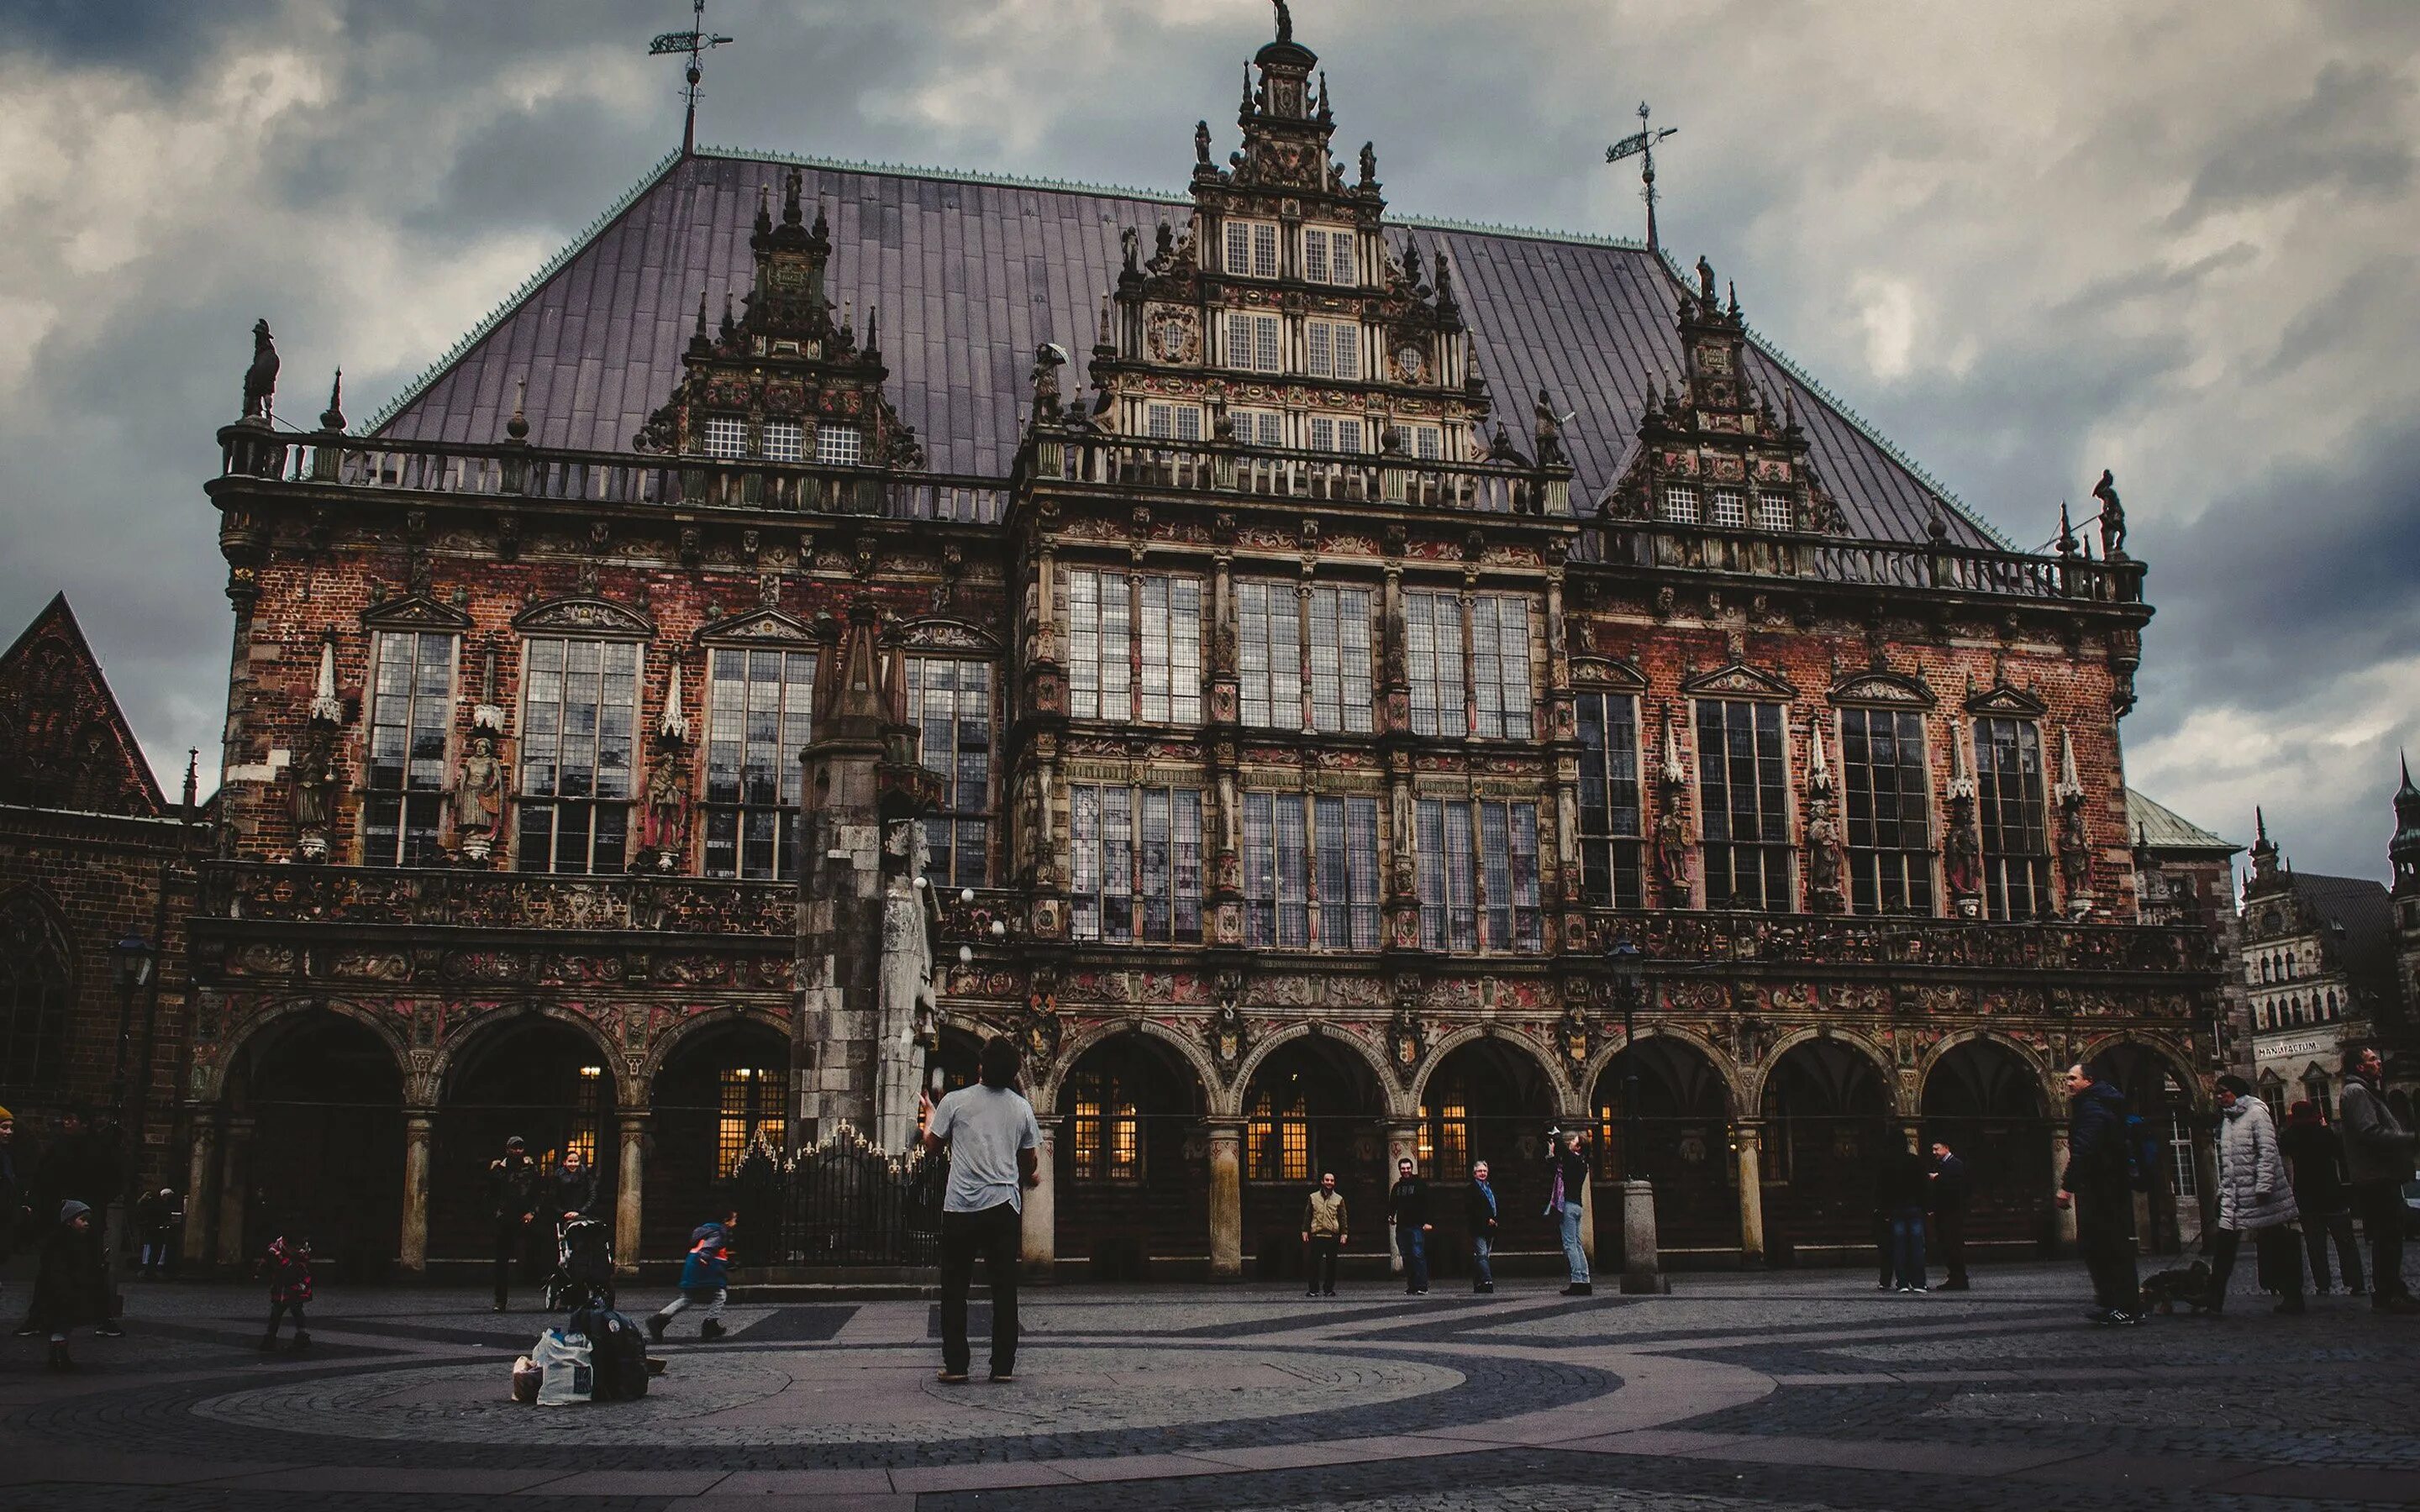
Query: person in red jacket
287	1266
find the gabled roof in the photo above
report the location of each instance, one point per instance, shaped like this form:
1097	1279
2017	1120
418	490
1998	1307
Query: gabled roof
2163	829
2359	916
970	273
64	741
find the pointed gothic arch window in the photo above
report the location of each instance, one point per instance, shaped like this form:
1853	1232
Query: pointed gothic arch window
35	984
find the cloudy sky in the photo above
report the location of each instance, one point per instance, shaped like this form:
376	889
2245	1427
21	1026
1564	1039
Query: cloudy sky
2028	241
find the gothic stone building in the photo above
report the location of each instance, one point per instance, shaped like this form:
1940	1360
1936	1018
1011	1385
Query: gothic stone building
1307	641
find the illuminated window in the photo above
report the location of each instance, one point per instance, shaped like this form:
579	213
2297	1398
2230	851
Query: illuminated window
1277	1137
1108	1130
587	1114
2009	802
758	705
753	1100
1137	871
1118	623
784	440
578	728
840	446
1890	829
1742	805
1445	1133
1464	849
1610	808
949	703
725	435
412	706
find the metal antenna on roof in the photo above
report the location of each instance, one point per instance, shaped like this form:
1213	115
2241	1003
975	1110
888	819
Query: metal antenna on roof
696	41
1642	145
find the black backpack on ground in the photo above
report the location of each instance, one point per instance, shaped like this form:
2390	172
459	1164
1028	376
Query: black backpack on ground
617	1352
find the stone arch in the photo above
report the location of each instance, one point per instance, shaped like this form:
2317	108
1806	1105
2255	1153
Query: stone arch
1988	1098
1187	1049
1760	1076
713	1020
1832	1115
1687	1107
1310	1104
246	1036
715	1085
521	1070
447	1063
2032	1061
1733	1073
2175	1061
1131	1156
1230	1101
1567	1100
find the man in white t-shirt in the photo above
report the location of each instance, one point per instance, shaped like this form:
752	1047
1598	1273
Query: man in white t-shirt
994	1144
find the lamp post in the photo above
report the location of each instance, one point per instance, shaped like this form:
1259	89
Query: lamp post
1641	1259
129	966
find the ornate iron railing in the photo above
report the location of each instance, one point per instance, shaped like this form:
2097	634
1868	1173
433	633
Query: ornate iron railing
843	1202
495	900
509	471
1935	565
1152	465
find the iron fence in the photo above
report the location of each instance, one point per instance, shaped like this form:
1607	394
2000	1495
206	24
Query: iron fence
846	1203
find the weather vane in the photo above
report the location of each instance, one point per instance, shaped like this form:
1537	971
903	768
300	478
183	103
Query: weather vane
1642	145
696	41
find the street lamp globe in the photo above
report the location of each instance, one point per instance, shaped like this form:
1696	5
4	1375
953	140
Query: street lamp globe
130	963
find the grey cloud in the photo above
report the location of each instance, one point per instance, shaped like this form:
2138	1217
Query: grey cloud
2341	135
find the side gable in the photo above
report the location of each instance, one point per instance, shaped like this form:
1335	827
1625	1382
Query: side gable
63	742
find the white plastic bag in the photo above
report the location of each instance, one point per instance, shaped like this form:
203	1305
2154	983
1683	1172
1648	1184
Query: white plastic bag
567	1372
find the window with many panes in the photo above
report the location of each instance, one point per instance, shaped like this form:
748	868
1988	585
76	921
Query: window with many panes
1329	433
1889	831
784	440
725	435
1329	256
1253	249
1331	349
1680	504
1610	820
758	705
1252	342
1478	875
1742	805
34	998
1426	442
1311	871
1258	428
411	703
1277	1136
1290	640
753	1102
579	722
1773	512
1136	872
1490	682
838	445
1105	1134
1173	422
2009	805
1134	647
1728	507
950	704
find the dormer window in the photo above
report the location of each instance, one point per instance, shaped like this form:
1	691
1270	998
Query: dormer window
839	446
784	440
1332	350
726	435
1680	504
1251	249
1328	257
1730	510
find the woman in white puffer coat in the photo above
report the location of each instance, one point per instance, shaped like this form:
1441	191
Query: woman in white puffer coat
2255	1197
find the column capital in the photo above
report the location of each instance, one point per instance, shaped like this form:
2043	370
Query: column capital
633	1120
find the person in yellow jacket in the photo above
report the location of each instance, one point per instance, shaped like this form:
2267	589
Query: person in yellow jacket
1324	1233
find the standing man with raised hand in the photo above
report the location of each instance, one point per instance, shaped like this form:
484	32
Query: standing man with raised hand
994	1145
2098	1185
2378	1160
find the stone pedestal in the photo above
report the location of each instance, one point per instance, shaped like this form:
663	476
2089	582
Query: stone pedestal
201	1188
1641	1266
1040	1250
419	1132
1750	1141
629	1190
2064	1216
1226	1201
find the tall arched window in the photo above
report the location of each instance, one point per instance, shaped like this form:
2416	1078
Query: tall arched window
34	983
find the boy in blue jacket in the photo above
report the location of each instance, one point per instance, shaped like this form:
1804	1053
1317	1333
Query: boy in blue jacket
706	1279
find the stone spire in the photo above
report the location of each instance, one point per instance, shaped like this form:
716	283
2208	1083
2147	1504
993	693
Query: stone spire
2404	850
673	725
2265	874
325	707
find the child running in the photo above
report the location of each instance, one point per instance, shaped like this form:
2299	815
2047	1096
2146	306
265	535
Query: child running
706	1280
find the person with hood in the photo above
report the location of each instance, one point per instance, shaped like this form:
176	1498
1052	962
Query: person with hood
2255	1197
80	1165
706	1280
1480	1213
72	1287
2316	1156
2097	1186
286	1267
512	1206
2378	1160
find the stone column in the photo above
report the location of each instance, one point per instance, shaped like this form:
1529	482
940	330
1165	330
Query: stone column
419	1132
1642	1266
629	1193
1749	1139
1587	1219
1041	1220
201	1186
2066	1215
1226	1200
1402	1143
235	1160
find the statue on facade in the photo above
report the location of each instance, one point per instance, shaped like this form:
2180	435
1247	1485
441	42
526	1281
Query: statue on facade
2112	516
1549	433
479	796
1049	359
1705	279
1202	144
1672	853
1130	247
1369	163
907	1005
1824	860
663	817
261	378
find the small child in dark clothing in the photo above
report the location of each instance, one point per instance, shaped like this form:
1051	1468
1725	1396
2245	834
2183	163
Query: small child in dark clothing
706	1280
287	1267
73	1285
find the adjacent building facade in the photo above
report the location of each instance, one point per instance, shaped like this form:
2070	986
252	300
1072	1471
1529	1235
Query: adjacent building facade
1257	651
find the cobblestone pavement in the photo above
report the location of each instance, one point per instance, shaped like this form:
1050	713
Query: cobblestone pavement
1787	1391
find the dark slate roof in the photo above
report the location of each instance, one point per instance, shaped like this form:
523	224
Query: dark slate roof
2163	829
2366	913
970	273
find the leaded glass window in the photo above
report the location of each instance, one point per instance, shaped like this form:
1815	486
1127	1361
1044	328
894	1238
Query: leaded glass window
1742	805
1332	350
1252	342
578	728
1133	844
1120	625
1680	504
949	703
839	445
1277	1136
1311	871
759	707
412	704
1490	682
1268	653
1610	820
784	440
1478	875
1890	829
2009	804
1432	646
1289	638
1107	1133
34	1000
726	435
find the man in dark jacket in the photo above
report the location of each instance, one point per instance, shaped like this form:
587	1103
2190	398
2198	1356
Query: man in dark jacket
512	1204
1407	1209
2378	1160
73	1285
2316	1156
1479	1212
2097	1185
1899	1195
15	1212
1946	1197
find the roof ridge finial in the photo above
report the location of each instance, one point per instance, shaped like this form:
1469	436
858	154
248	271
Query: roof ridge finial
518	426
333	418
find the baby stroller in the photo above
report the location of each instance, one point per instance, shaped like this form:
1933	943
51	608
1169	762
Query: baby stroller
583	1266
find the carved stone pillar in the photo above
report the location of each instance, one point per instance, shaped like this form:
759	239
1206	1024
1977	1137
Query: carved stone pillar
419	1133
1226	1200
629	1188
1749	1139
1402	1144
201	1186
1040	1249
1394	660
2065	1215
235	1166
